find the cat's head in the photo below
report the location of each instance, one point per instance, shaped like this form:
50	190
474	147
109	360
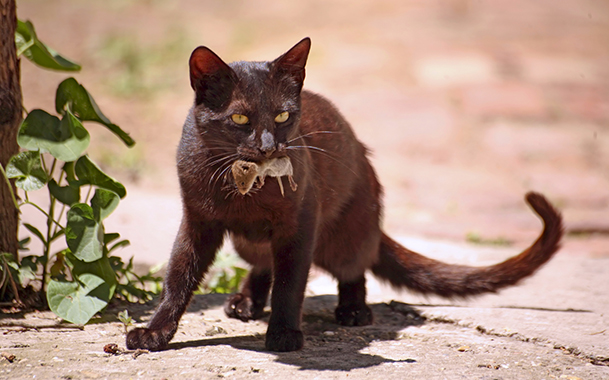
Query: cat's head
248	109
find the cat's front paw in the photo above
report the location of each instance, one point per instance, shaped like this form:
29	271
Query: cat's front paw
283	339
353	315
153	340
241	307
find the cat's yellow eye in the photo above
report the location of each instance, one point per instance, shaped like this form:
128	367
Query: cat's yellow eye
240	119
282	117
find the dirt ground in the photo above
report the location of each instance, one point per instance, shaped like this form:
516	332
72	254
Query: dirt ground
552	327
465	105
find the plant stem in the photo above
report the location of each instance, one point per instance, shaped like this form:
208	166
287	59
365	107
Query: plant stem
88	193
63	206
57	225
44	164
10	188
43	212
50	221
13	285
53	168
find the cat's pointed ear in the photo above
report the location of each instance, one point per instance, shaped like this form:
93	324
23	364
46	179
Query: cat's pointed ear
211	78
293	62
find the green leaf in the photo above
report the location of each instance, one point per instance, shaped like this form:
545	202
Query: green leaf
101	268
90	174
67	195
23	244
110	237
27	269
36	51
125	318
84	234
77	301
35	231
24	271
120	244
65	140
103	203
68	168
71	93
57	270
58	234
26	168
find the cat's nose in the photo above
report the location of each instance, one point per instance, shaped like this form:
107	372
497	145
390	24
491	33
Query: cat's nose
267	143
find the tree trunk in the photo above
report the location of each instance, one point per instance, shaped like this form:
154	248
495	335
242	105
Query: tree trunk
10	119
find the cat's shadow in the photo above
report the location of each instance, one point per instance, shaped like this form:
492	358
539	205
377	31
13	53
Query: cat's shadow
328	346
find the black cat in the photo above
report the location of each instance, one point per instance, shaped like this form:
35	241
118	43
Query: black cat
256	112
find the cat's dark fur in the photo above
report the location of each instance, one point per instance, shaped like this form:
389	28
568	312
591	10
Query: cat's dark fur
331	220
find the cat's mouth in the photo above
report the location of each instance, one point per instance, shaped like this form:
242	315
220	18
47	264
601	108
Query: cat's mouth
248	174
262	159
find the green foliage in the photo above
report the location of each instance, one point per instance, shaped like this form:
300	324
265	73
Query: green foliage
132	287
125	319
77	301
71	95
26	169
81	279
32	48
225	276
228	280
90	174
64	139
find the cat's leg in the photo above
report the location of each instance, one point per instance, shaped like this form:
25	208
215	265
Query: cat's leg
292	258
250	302
193	252
290	274
352	309
348	250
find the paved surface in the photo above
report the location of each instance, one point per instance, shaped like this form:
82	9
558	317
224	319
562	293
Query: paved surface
554	326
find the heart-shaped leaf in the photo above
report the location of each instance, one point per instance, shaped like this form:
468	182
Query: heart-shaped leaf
82	104
65	140
89	174
101	268
103	203
67	195
32	48
77	301
84	234
27	170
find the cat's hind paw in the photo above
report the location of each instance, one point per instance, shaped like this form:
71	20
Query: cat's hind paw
353	315
242	307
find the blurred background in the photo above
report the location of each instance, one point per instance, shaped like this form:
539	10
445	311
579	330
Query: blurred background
465	104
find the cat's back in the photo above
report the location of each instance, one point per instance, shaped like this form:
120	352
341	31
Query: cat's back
339	158
324	124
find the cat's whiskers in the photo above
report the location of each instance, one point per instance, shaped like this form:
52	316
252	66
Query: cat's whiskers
224	174
311	134
217	174
221	159
325	152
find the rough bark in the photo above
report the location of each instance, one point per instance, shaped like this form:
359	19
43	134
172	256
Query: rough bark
10	119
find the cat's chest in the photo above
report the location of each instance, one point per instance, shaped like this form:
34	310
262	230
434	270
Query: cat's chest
258	215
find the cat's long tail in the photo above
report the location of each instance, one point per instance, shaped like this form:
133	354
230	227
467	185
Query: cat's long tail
404	268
